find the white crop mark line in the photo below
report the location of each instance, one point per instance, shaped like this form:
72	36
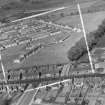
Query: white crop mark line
4	74
34	96
63	81
84	33
40	14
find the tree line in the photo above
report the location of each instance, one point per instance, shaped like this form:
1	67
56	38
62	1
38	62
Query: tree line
79	49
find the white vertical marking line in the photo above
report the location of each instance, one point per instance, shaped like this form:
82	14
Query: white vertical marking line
4	74
34	96
84	32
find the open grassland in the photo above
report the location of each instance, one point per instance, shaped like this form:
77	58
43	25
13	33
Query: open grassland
55	53
11	8
49	55
91	20
15	8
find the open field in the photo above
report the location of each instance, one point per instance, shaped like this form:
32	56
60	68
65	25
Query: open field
16	8
91	20
38	48
56	53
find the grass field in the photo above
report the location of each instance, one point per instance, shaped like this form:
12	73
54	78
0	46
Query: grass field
48	55
91	20
56	53
15	8
10	8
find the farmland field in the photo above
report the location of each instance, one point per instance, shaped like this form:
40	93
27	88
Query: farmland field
56	53
38	47
91	20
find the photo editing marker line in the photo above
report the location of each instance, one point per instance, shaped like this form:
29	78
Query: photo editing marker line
34	97
4	74
51	84
84	33
40	14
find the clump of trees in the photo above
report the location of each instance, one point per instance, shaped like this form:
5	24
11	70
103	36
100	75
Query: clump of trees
25	1
79	50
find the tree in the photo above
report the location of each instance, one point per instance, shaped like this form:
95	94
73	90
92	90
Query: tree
79	50
62	14
25	1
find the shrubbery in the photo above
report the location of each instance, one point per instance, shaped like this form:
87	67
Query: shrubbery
25	0
77	51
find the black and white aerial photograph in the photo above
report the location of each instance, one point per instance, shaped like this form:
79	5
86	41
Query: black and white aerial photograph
52	52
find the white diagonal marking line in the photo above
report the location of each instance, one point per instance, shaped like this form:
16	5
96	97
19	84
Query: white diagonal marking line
84	33
3	68
34	96
63	81
20	99
40	14
4	74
